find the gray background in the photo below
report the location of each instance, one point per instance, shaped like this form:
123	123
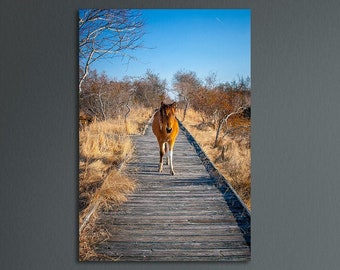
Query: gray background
295	134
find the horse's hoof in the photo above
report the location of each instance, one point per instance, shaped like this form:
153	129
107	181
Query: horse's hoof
172	172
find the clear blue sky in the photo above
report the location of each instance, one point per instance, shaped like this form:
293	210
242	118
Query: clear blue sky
203	41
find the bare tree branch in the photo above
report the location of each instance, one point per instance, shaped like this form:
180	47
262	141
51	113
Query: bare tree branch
106	34
185	84
225	120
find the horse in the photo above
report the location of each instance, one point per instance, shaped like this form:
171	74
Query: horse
165	128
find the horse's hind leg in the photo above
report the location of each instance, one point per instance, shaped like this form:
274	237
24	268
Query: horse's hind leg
166	146
171	147
161	154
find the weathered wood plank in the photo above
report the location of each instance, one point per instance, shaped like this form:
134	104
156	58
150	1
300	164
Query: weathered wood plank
144	211
183	253
184	217
191	229
178	253
177	239
127	234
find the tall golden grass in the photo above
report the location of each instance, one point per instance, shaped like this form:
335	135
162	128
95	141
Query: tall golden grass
103	147
232	156
137	120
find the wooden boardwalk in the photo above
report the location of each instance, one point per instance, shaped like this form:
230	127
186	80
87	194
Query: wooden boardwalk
190	216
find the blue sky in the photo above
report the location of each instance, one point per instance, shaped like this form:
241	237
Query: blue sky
203	41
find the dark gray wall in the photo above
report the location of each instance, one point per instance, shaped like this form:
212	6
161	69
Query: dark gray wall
295	141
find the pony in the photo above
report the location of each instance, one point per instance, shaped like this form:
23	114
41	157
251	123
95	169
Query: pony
165	128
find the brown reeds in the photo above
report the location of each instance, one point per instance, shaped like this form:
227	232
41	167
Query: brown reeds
104	146
232	156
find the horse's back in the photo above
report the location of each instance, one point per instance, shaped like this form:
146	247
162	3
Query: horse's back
156	123
175	127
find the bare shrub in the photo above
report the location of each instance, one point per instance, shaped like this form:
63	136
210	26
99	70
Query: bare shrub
232	156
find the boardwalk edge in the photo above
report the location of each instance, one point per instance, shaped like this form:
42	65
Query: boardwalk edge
212	170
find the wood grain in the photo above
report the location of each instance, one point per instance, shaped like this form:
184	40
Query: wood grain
190	216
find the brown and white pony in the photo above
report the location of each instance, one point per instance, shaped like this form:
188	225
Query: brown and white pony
165	127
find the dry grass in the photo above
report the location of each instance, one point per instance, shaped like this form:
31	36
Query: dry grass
88	238
109	195
137	119
104	141
232	156
103	147
113	191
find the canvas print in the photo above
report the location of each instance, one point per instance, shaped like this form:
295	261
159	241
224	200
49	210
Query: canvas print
164	135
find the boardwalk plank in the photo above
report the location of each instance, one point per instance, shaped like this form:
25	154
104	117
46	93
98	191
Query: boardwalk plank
185	217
